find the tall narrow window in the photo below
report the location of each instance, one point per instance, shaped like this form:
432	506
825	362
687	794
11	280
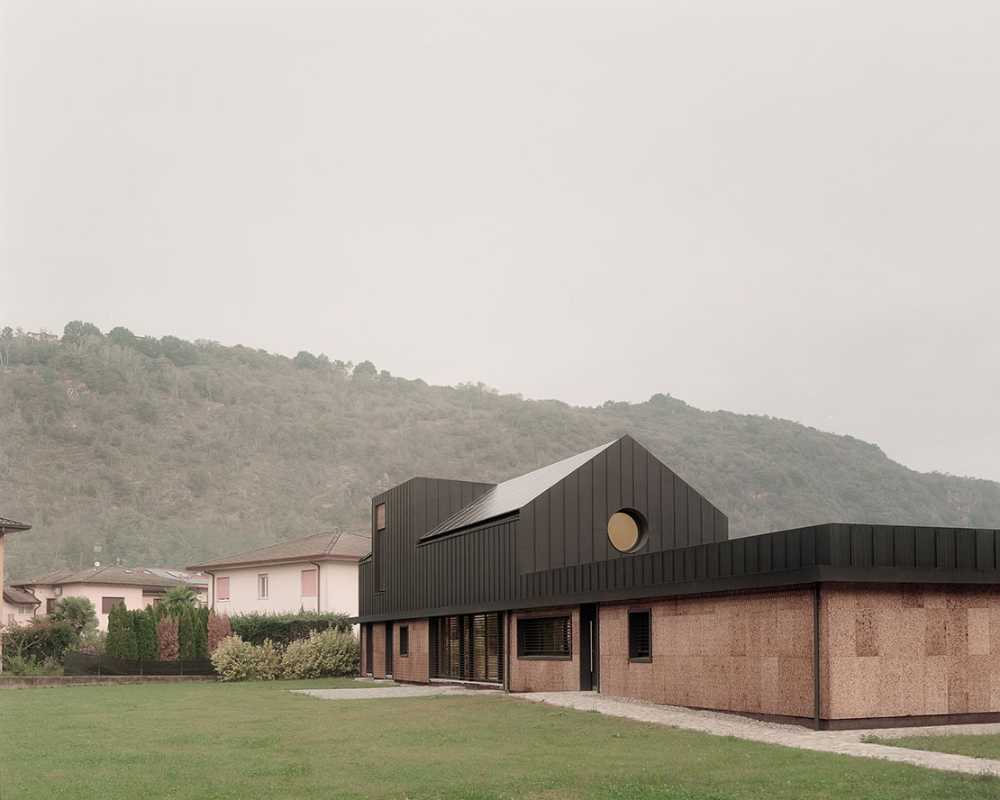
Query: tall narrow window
262	586
404	640
544	637
222	588
640	641
378	548
309	583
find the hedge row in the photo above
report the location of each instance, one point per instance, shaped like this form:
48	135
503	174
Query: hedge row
282	629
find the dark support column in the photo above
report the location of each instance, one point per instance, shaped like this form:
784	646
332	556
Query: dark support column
816	707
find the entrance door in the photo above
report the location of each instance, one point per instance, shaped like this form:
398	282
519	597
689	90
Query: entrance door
369	649
388	649
590	654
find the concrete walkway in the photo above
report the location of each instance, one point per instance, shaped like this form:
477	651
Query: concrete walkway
846	743
392	691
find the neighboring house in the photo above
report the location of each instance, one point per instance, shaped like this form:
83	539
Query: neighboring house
315	573
18	606
135	587
607	572
7	526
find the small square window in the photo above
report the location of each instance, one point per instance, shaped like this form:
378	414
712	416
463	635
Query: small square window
640	642
262	586
107	603
404	640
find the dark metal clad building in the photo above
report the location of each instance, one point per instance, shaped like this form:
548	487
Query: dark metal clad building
608	571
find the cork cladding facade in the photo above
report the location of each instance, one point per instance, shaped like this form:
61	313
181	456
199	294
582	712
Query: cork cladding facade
607	571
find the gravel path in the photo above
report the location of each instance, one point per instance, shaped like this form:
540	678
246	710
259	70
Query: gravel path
392	691
843	742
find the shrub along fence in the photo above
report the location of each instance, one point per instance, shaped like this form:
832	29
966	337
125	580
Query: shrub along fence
283	629
89	664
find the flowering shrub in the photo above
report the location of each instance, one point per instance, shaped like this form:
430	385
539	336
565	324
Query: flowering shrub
236	660
329	652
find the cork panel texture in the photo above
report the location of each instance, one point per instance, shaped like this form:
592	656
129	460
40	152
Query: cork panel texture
543	675
909	650
750	653
378	650
414	667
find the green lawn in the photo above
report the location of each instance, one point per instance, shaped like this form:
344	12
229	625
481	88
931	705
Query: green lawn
977	745
208	741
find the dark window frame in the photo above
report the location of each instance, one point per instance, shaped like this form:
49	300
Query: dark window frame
104	603
380	516
635	651
524	624
404	641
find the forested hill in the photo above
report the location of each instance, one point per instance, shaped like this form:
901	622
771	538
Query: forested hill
163	452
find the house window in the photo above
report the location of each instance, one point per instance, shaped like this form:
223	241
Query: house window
380	517
222	588
262	586
107	603
309	583
640	642
404	640
544	637
626	530
50	605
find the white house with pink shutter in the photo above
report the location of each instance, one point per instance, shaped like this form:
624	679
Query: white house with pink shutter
315	573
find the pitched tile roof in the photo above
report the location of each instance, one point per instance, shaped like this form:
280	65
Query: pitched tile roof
512	495
19	597
8	525
319	546
149	577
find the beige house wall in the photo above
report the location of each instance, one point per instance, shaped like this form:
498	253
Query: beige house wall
95	592
338	589
14	614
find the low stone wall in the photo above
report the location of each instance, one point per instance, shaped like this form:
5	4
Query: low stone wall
546	675
31	681
415	667
749	653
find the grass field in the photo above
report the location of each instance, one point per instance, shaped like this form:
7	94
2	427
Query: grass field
208	741
976	745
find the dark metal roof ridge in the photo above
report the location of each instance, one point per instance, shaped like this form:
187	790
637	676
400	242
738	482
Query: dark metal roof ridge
429	538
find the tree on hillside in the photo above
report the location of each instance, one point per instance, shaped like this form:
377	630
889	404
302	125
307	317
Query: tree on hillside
306	360
77	612
365	371
123	337
77	331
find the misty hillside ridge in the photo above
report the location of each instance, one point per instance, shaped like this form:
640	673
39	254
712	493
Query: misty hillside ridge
166	452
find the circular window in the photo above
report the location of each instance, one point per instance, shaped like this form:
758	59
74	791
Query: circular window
625	529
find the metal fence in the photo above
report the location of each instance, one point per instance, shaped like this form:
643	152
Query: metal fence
86	664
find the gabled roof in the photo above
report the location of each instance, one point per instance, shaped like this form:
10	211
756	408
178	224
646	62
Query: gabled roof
9	525
149	577
320	546
510	496
19	597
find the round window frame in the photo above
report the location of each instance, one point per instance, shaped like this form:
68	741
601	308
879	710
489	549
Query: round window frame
640	522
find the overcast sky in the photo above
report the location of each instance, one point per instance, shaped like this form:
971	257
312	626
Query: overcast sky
787	208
